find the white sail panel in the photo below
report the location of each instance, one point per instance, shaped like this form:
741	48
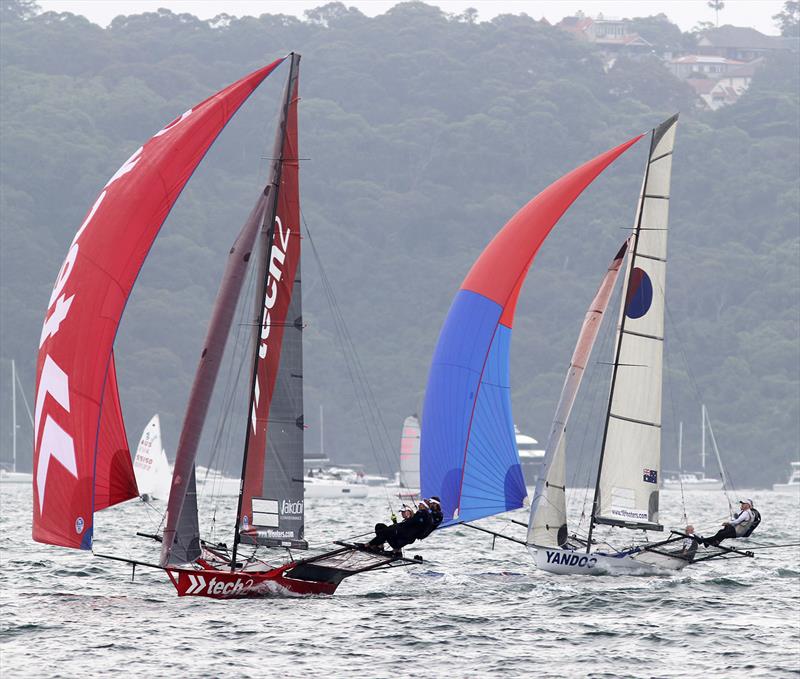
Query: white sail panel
630	471
409	453
150	464
548	522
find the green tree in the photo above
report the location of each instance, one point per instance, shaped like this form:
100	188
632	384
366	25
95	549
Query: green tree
716	5
789	19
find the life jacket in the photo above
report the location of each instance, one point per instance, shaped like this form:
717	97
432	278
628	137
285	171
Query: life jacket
745	528
753	524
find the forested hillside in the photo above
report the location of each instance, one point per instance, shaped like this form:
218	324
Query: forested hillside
422	133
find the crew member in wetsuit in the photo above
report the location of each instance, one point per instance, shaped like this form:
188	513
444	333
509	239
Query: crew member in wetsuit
410	529
736	527
384	533
436	516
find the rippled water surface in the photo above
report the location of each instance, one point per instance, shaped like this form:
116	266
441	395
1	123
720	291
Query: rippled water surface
467	611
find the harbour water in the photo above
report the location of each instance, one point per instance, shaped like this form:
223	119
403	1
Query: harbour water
467	611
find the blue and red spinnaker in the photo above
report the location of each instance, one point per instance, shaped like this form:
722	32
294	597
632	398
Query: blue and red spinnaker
468	455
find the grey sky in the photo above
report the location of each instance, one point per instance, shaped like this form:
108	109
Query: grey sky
686	13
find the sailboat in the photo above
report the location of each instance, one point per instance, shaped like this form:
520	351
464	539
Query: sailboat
627	485
408	476
82	461
685	480
150	465
468	451
9	473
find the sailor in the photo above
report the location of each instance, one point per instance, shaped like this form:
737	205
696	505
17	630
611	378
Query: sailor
739	525
391	534
436	516
689	544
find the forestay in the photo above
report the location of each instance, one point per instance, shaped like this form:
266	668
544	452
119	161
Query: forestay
628	479
468	450
547	525
81	456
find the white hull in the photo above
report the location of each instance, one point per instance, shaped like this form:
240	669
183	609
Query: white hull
787	488
332	488
572	562
15	477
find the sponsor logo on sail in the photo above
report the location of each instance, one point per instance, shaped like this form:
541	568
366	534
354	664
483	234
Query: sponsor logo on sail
292	508
277	257
54	441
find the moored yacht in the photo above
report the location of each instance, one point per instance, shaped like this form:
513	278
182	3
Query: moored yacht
793	484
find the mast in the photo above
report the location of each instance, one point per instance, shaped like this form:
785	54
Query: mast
321	433
680	446
631	261
263	274
626	488
13	416
703	439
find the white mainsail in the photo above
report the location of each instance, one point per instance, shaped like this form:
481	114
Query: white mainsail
547	526
630	467
150	464
409	453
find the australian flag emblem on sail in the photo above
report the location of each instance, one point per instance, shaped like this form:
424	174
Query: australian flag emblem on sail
650	476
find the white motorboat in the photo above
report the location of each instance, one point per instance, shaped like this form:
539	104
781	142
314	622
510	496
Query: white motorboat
793	484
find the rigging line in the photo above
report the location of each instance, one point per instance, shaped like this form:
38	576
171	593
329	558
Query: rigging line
699	396
680	466
595	384
353	365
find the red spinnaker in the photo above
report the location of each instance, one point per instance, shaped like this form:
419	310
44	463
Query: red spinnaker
81	459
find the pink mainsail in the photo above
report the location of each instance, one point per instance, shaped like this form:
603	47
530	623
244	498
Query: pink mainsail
81	459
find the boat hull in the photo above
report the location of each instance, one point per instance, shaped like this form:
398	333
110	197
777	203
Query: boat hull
704	484
324	488
787	488
573	562
221	584
15	477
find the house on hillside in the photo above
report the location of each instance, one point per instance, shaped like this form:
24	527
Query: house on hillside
692	65
610	35
722	86
741	43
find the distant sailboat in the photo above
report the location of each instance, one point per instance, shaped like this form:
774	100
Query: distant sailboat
9	473
151	467
408	478
686	480
81	454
